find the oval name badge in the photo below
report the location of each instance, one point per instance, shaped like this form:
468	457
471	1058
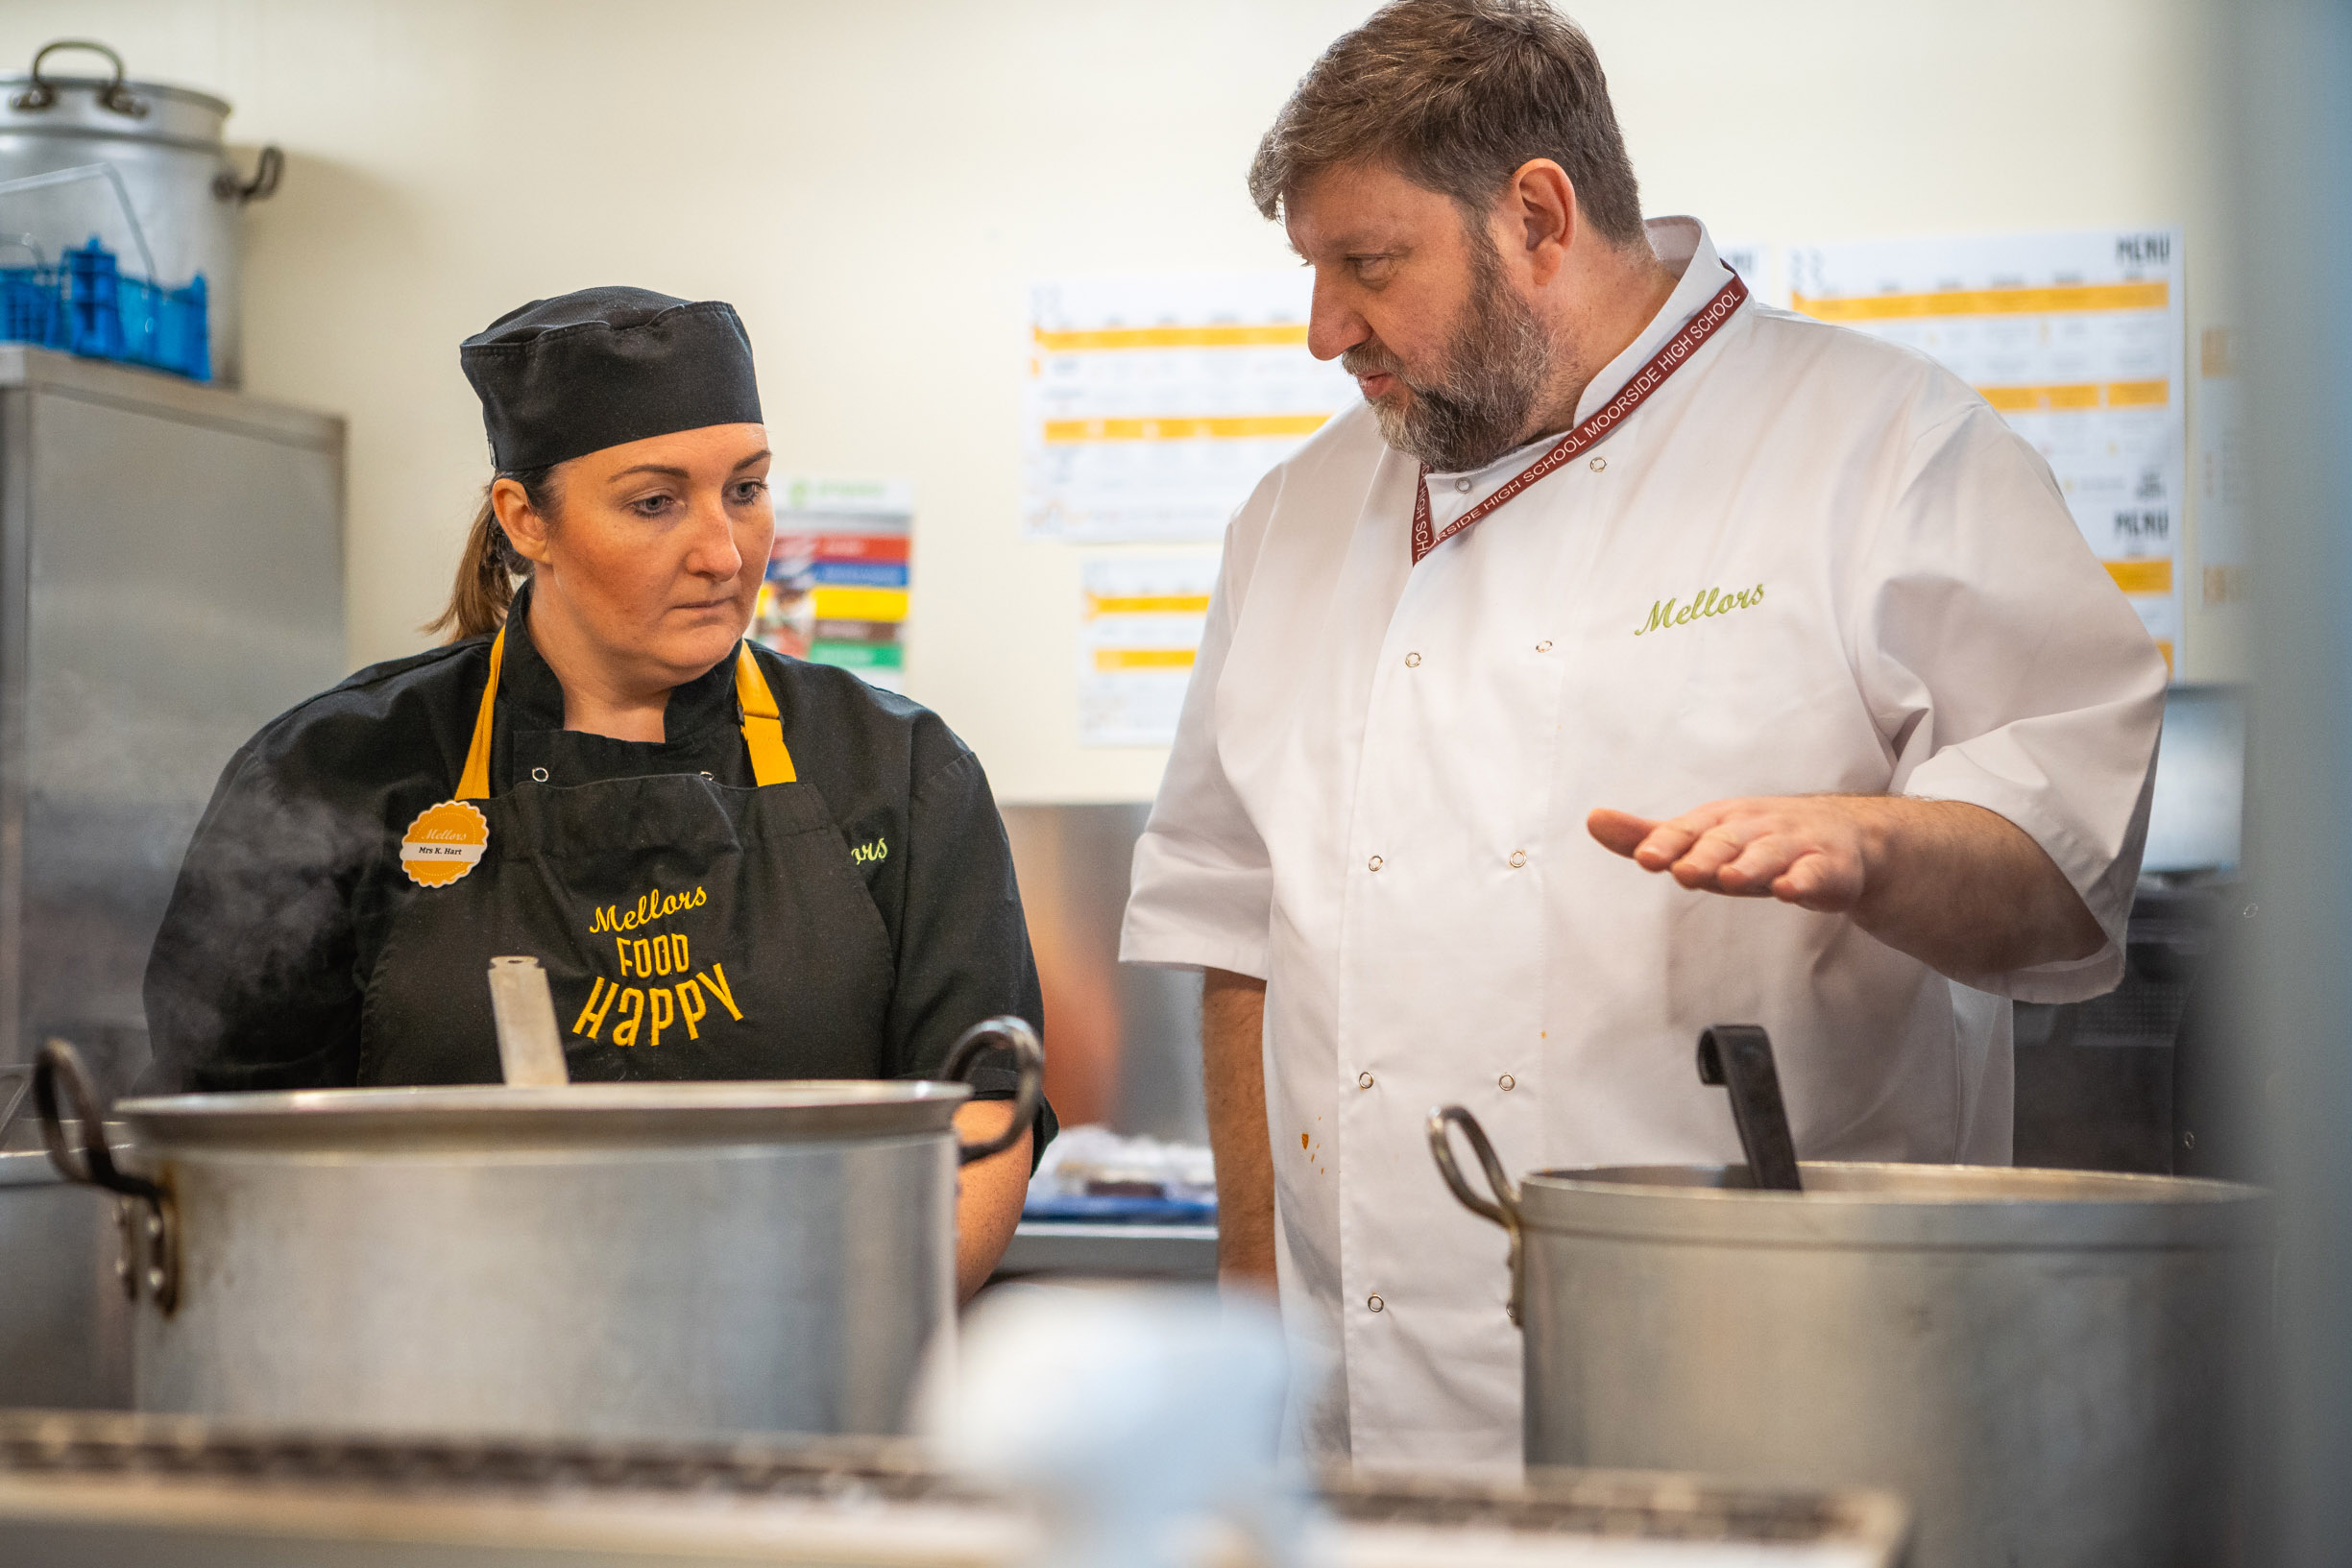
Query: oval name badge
443	843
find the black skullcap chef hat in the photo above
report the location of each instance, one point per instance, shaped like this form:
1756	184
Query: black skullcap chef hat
583	372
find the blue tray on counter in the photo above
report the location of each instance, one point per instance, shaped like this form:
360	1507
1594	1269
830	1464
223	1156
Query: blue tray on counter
1074	1209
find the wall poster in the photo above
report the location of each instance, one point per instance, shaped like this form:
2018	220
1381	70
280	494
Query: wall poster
2078	340
1155	403
1140	621
837	577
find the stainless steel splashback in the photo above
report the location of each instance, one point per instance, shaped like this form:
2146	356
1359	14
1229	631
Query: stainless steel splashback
171	578
1123	1046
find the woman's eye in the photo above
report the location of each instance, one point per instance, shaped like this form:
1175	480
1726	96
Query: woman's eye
749	491
650	506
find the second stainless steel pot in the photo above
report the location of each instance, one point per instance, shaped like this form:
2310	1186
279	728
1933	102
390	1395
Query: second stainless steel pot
2037	1359
598	1259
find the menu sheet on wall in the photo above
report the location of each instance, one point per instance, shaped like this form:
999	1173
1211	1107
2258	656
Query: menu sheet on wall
837	577
2077	339
1140	622
1155	403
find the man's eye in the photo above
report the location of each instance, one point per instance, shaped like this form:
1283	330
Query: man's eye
1369	267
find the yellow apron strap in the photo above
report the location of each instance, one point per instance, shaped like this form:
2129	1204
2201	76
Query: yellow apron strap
771	761
473	784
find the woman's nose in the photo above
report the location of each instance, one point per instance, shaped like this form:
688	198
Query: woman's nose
713	553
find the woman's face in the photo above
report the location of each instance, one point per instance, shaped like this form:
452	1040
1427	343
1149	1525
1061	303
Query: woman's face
656	552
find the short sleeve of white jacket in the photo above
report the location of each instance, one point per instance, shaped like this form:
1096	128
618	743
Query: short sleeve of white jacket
1203	888
2007	673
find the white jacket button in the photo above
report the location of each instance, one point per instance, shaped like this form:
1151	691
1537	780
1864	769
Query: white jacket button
1376	1304
1519	859
1412	661
1364	1080
1373	864
1505	1083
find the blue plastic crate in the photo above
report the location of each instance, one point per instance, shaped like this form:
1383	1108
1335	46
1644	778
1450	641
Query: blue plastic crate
89	306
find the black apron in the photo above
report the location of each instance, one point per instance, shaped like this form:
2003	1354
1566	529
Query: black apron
689	928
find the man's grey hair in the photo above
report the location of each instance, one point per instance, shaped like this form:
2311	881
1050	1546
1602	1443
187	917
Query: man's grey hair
1456	95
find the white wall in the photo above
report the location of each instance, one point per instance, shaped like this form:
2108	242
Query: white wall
875	184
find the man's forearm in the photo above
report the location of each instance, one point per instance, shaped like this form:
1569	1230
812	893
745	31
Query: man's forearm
1966	890
1233	1078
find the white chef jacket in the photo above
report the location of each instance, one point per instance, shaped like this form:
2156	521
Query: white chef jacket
1377	797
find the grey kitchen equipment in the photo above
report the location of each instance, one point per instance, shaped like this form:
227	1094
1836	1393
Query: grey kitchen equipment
1127	1039
64	1320
593	1259
166	144
93	1491
171	578
2038	1361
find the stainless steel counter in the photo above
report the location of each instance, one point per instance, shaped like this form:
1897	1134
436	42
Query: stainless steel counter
83	1491
1161	1252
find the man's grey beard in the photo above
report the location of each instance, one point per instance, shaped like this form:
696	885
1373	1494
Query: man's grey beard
1496	371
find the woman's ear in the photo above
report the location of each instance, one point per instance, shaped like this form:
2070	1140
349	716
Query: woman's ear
525	530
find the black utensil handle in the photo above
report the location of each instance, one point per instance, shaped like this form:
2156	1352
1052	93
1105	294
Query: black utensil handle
1738	1056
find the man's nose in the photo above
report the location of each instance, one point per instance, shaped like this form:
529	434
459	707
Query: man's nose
1333	327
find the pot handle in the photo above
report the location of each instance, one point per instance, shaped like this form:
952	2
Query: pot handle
268	170
1004	1034
86	1159
1503	1208
42	93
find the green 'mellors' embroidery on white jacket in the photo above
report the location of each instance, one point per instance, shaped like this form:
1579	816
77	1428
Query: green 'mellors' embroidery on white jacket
1715	601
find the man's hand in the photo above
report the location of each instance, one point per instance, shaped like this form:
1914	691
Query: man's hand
1811	851
1958	887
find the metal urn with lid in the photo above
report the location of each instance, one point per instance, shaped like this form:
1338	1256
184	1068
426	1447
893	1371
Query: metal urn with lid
597	1258
2038	1361
163	144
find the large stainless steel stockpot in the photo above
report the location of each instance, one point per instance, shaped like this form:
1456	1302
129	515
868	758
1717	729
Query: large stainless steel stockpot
598	1259
165	143
2038	1359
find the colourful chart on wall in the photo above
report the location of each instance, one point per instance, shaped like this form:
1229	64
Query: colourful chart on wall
2078	340
1139	627
1155	403
837	578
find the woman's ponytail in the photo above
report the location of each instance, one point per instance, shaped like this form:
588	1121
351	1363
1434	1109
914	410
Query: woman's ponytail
485	573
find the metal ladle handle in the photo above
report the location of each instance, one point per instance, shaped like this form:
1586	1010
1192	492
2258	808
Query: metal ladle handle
1004	1034
1503	1208
86	1159
43	94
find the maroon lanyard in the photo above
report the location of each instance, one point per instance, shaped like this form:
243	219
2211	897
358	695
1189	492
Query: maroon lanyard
1648	379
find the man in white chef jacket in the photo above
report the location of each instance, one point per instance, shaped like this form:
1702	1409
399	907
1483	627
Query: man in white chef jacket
1783	691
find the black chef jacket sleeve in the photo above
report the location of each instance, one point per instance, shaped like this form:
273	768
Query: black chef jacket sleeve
964	945
251	983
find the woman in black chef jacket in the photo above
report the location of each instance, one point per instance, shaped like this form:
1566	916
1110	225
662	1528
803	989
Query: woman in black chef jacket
732	864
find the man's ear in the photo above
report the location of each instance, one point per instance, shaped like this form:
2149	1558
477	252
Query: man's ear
1540	205
525	530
